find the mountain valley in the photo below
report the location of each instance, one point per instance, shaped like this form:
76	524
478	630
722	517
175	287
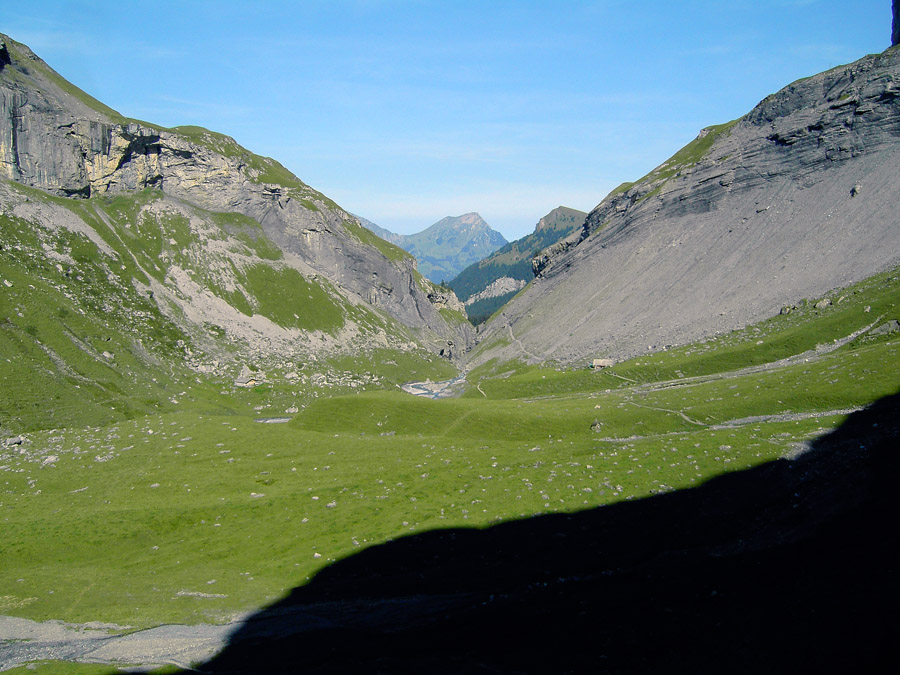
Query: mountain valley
666	445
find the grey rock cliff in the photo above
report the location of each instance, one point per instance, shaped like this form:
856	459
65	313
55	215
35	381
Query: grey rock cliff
56	138
796	198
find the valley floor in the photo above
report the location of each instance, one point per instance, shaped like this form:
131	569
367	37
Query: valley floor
176	523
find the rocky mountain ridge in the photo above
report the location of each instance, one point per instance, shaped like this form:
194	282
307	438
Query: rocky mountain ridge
63	142
792	200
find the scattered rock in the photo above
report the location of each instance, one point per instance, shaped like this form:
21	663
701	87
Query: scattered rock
822	304
888	328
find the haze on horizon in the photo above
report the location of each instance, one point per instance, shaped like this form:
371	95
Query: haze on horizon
405	112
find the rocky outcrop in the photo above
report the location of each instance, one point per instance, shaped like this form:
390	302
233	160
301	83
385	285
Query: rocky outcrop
496	288
446	299
57	138
788	202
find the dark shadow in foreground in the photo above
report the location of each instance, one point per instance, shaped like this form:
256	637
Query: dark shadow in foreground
787	567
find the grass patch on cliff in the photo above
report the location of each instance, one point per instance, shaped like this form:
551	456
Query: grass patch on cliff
690	154
287	298
248	231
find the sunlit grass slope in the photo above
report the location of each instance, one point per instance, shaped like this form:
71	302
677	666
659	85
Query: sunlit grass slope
195	514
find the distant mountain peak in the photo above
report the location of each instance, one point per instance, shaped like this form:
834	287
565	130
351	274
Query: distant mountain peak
560	214
472	218
448	246
481	284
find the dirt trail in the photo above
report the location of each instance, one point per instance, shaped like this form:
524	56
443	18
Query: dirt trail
807	356
519	344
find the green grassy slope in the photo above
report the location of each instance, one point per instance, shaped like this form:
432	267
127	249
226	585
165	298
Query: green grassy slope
94	325
193	513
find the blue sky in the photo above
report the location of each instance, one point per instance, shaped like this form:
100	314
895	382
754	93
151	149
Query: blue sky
406	111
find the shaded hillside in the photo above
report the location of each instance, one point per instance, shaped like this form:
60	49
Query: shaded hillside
487	284
790	201
444	249
783	568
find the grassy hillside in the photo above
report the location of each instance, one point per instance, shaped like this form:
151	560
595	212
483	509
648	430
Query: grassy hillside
112	308
208	512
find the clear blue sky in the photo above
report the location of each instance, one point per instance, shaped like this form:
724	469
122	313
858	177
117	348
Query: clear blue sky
407	111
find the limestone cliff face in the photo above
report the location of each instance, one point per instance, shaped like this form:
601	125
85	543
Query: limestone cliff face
792	200
56	138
